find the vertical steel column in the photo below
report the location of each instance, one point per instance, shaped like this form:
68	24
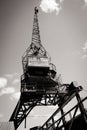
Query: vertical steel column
25	122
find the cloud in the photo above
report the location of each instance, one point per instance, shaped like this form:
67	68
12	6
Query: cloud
84	56
8	90
85	2
16	81
3	82
61	1
10	76
15	96
49	6
85	47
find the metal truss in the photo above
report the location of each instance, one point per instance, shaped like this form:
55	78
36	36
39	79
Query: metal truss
27	102
39	87
21	111
59	123
35	47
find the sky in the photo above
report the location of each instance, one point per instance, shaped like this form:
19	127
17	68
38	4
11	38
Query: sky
63	30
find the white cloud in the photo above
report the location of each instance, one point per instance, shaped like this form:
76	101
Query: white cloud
85	2
85	47
61	1
8	90
15	95
3	82
49	6
84	56
16	81
10	76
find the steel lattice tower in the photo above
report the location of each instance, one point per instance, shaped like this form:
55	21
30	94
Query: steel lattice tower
39	82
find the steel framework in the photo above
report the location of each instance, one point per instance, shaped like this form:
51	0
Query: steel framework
38	80
60	123
40	85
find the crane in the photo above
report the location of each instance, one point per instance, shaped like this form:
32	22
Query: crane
39	82
38	78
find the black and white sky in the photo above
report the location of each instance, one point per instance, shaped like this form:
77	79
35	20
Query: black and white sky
63	30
